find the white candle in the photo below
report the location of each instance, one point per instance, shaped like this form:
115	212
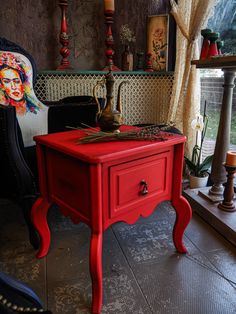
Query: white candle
231	159
109	5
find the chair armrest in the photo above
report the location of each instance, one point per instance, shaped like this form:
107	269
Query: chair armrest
16	176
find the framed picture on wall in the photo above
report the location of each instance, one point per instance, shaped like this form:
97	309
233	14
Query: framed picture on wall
158	41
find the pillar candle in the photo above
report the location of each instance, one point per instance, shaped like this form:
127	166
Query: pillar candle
109	5
231	159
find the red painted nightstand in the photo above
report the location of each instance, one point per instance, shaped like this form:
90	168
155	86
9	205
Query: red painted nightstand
102	183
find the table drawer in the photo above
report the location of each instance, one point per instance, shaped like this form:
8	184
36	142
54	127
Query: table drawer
137	182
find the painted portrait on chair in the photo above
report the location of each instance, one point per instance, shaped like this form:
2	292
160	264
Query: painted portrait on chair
16	89
15	84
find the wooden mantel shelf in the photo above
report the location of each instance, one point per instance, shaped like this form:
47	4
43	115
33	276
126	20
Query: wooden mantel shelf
216	62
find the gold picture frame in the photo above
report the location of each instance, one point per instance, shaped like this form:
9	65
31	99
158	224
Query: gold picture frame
158	41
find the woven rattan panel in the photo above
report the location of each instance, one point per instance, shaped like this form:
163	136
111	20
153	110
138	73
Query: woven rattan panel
145	98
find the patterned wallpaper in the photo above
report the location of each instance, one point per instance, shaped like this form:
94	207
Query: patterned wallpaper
35	25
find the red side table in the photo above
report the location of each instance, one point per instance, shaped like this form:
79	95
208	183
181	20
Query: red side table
102	183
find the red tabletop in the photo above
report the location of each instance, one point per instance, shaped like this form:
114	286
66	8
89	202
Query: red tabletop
68	142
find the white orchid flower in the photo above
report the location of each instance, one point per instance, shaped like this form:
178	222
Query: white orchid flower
198	124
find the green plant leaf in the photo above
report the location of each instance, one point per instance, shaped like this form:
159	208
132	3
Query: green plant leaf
200	170
191	166
206	164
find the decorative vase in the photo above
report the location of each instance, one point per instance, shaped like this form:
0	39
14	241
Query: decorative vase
197	182
213	50
206	43
127	59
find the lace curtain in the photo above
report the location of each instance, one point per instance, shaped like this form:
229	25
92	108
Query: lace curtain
191	16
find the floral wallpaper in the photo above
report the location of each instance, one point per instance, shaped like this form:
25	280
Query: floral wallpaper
35	25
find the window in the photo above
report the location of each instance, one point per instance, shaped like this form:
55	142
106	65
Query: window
223	21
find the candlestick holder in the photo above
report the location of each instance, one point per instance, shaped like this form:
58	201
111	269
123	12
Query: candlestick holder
149	67
109	41
64	38
228	204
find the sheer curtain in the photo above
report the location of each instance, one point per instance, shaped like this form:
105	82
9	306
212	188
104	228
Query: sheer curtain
191	16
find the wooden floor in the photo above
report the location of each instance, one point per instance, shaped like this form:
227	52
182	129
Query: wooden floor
142	272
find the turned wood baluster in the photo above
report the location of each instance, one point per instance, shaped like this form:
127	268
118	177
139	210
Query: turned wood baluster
218	174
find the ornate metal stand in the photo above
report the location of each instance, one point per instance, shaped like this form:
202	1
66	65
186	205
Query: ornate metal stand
228	204
109	41
64	39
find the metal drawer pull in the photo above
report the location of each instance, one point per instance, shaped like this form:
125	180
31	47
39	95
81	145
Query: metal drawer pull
144	186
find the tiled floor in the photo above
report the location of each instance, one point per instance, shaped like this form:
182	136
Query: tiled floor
142	273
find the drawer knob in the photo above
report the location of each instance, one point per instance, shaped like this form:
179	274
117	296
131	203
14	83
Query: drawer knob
144	186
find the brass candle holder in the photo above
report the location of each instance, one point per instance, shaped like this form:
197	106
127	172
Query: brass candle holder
228	204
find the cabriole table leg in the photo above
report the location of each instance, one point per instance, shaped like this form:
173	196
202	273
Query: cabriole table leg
39	219
183	217
95	263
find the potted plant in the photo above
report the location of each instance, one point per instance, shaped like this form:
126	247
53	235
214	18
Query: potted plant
198	168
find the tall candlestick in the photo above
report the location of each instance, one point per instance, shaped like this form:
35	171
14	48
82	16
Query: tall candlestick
64	38
231	159
228	202
109	12
109	5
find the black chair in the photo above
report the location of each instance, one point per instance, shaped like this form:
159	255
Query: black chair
18	167
16	297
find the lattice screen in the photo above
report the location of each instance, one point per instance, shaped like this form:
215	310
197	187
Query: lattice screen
145	99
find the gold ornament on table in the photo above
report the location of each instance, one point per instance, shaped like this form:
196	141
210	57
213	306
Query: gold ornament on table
109	119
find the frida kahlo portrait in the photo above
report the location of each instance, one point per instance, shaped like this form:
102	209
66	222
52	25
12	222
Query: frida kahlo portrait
16	90
16	84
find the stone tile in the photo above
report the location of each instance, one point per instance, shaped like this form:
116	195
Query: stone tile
148	242
121	294
70	260
181	286
17	259
73	297
204	236
68	250
225	263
